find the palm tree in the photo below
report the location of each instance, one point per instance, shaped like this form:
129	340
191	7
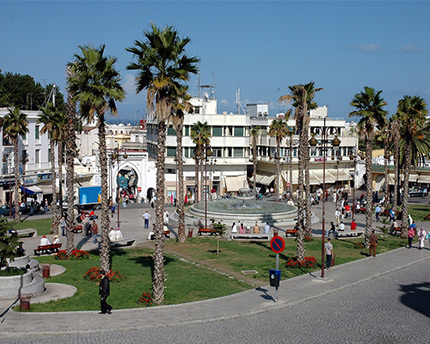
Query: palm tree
15	124
254	134
180	105
290	159
384	135
302	97
200	134
70	143
395	135
97	88
279	130
414	142
52	120
163	65
369	106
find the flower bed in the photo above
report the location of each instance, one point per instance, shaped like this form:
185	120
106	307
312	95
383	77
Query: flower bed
307	262
94	275
308	238
75	255
145	299
359	245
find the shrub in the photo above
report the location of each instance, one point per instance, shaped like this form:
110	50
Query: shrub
359	245
94	275
145	299
307	262
308	238
75	255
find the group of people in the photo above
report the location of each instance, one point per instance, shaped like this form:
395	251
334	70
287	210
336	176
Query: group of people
256	229
45	241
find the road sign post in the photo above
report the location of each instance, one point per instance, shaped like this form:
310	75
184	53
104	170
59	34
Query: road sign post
277	244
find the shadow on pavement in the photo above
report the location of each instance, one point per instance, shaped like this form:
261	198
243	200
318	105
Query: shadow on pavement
265	295
417	297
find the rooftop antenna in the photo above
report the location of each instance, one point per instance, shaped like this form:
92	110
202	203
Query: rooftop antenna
239	106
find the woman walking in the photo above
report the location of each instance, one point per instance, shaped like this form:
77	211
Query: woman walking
411	234
421	237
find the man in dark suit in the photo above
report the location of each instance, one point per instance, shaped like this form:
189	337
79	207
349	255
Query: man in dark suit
104	293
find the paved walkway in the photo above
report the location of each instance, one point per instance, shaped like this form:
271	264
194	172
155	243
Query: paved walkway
291	292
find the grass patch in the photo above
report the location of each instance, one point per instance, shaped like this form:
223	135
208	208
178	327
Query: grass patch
419	211
43	226
185	282
12	272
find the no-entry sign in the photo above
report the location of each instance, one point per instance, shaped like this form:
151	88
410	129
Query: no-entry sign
277	244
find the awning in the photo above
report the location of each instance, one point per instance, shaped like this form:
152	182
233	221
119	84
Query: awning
329	179
235	183
264	179
286	176
424	178
31	190
47	189
413	177
340	175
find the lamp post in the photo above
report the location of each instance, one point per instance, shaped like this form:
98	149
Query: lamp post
207	153
336	143
115	156
24	161
6	159
353	156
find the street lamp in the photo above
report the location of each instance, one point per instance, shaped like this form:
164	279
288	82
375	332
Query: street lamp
24	161
336	143
207	154
353	156
116	156
6	159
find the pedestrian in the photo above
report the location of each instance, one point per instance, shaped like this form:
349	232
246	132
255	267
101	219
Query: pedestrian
146	218
328	253
353	225
104	290
421	237
341	226
373	242
332	229
63	226
392	214
337	216
166	217
377	212
411	234
267	228
95	231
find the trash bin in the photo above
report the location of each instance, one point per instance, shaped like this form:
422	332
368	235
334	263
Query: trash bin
24	302
46	270
190	232
275	277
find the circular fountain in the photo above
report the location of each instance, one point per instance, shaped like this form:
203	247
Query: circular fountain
245	208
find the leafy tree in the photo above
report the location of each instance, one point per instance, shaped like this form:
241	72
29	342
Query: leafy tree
369	106
96	87
163	66
15	124
8	243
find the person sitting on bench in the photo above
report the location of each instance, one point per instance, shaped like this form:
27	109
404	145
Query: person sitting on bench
118	235
112	235
44	241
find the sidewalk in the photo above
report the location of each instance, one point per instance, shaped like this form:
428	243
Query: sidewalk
291	292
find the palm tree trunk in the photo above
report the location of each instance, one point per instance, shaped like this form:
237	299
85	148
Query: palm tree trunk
307	187
196	184
105	244
300	195
291	166
369	190
55	209
17	216
254	160
158	274
180	198
396	175
278	166
202	181
386	184
70	156
405	192
60	171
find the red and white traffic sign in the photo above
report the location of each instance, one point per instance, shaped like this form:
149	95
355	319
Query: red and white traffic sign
277	244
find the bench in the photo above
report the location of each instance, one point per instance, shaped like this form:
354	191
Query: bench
166	235
250	236
77	229
48	249
28	231
396	230
348	233
123	242
291	232
208	230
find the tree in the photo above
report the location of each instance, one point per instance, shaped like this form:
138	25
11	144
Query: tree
97	88
180	105
200	134
53	121
15	124
369	106
414	142
279	130
384	136
254	134
302	97
163	66
8	243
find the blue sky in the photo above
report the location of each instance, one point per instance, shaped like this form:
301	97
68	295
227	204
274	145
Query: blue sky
259	47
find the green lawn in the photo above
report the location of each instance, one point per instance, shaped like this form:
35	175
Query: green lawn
185	282
43	226
419	211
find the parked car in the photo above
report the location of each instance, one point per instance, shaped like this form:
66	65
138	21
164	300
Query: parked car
417	193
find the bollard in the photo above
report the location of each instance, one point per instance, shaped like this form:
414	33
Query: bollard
46	270
24	302
190	233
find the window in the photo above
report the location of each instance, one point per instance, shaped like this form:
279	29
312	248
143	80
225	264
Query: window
238	131
197	110
171	131
171	151
217	152
238	152
186	152
37	134
49	154
217	131
187	130
37	155
24	137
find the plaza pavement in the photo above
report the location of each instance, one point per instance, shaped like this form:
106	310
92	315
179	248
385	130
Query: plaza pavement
260	300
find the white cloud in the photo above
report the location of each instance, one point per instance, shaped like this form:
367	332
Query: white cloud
411	48
224	101
427	91
369	47
129	84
